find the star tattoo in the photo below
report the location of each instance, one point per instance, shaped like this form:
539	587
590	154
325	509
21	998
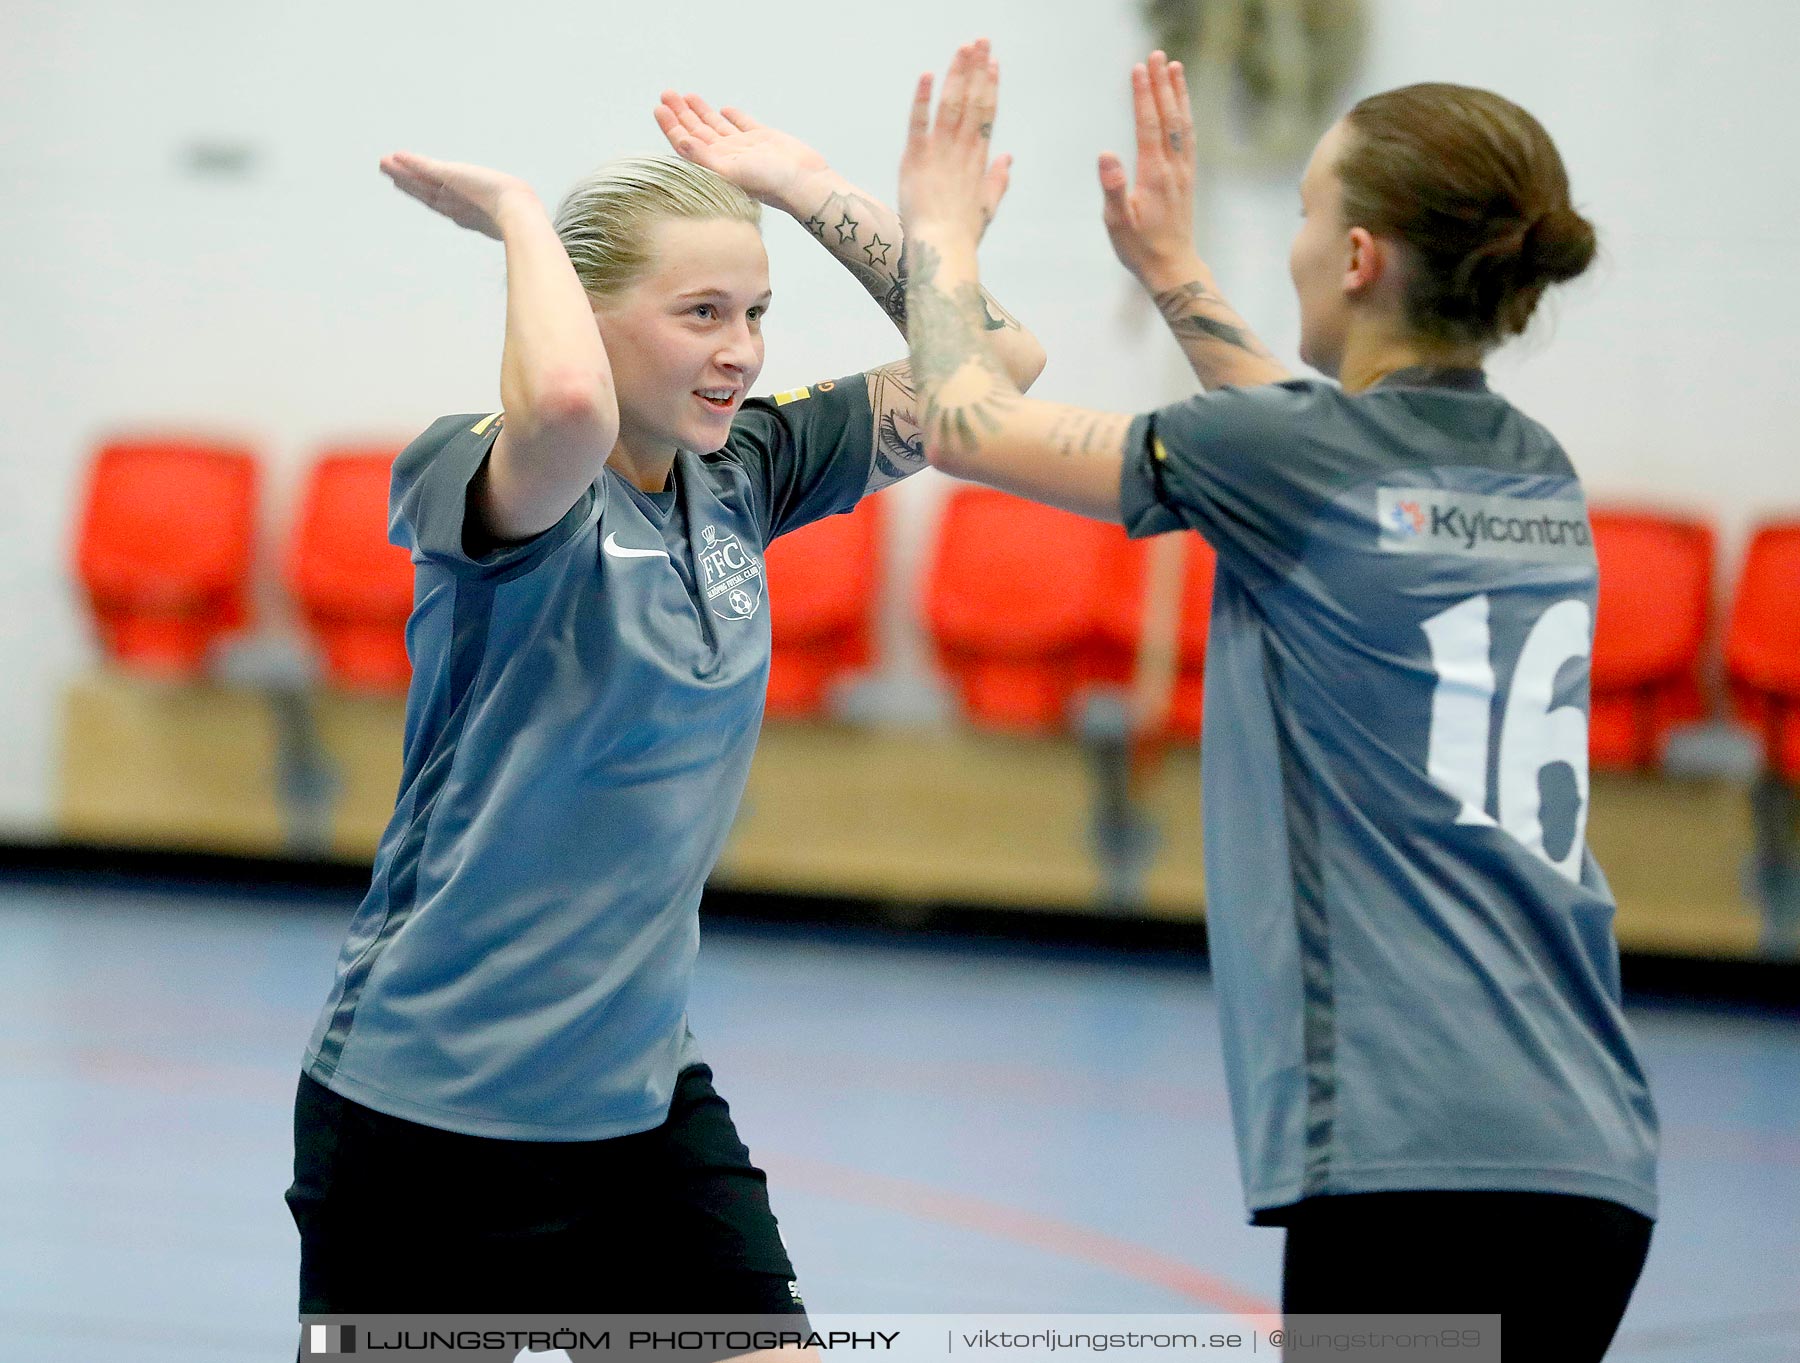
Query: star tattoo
846	228
816	225
878	256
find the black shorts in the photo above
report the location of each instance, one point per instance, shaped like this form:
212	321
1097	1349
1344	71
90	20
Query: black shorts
1558	1269
397	1217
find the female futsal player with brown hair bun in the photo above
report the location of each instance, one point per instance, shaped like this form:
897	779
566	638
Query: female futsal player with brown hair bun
1433	1085
502	1107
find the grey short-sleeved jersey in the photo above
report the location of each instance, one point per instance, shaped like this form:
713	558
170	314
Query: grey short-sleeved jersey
1413	948
582	716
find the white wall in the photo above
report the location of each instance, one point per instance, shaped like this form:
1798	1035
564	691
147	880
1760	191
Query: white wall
306	300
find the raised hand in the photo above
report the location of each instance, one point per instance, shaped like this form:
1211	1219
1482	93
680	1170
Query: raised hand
1151	223
470	196
766	163
945	175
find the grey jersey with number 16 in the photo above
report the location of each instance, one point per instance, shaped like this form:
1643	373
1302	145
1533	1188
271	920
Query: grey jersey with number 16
1412	945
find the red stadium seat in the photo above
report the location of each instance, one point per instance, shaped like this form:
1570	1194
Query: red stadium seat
164	549
1762	644
1122	622
1012	604
821	583
1656	587
353	588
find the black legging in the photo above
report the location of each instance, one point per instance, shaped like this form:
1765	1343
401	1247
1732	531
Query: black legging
1558	1269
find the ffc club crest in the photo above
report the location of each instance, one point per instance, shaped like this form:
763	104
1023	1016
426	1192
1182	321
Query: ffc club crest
732	579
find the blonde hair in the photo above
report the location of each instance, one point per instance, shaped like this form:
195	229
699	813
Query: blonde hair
605	220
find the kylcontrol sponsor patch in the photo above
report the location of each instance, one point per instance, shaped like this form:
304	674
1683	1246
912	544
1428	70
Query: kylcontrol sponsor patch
1443	521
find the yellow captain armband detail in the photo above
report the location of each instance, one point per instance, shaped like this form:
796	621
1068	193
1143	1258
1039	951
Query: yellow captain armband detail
1158	449
792	395
480	427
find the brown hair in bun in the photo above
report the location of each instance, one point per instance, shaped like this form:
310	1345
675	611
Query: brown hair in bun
1474	187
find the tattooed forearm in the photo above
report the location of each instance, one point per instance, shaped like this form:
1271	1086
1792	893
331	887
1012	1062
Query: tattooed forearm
893	301
945	336
1218	345
866	238
1002	320
977	423
961	424
1077	431
967	393
838	215
878	250
1210	329
1181	309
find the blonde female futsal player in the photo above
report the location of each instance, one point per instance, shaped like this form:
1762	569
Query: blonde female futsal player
502	1107
1432	1081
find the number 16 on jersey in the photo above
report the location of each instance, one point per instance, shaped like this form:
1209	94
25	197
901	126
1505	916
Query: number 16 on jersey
1533	735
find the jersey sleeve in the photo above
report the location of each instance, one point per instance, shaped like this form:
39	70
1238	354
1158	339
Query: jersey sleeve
1246	467
428	502
808	452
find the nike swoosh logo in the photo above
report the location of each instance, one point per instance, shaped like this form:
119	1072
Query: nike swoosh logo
617	550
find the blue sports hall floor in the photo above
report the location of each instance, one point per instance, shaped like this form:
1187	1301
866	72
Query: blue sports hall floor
949	1126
